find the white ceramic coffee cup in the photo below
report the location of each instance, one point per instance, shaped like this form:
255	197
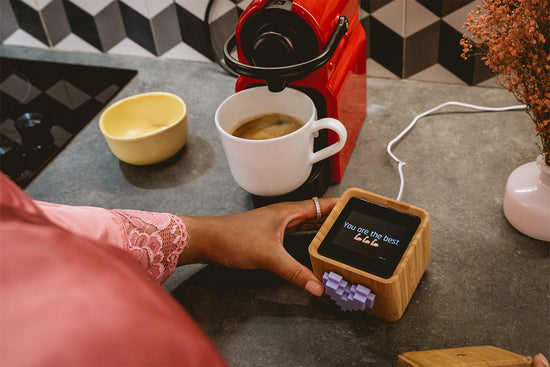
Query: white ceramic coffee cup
277	166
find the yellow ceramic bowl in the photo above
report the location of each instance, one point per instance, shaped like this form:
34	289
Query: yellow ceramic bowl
146	128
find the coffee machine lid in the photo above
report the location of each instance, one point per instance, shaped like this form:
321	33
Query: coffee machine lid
280	46
275	36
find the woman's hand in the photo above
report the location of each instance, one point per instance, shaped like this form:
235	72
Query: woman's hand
254	239
540	361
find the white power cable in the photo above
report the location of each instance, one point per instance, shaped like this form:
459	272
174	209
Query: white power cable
415	120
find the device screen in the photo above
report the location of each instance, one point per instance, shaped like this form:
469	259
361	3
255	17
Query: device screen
370	237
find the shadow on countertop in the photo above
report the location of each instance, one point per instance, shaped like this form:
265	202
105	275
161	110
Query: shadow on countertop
192	161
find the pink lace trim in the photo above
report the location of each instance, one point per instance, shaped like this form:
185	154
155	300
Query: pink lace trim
155	239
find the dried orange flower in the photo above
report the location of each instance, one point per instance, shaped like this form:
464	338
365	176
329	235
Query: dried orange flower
514	38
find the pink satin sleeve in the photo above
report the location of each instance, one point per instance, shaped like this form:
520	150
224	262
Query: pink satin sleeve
155	240
71	295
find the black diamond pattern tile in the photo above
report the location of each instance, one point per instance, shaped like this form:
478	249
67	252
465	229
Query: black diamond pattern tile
138	28
82	24
471	71
193	32
29	20
365	22
421	50
221	29
386	47
481	71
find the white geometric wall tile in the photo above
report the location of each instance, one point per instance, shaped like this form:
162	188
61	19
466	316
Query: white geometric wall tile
138	5
154	7
457	18
490	83
196	7
31	3
437	73
74	43
41	4
363	13
129	47
183	51
8	21
22	38
375	69
442	8
221	7
243	4
417	17
392	16
91	7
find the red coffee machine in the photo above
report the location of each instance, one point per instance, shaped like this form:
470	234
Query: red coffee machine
317	47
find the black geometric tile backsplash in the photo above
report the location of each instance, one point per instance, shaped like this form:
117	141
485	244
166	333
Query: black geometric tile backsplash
82	24
422	49
192	31
471	71
386	46
138	28
29	20
444	7
411	39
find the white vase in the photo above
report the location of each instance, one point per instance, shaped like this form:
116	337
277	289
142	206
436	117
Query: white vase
527	199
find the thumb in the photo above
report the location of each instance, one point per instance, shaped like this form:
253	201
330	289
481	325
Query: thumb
540	361
290	269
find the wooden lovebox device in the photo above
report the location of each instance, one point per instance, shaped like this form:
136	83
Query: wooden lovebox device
479	356
372	250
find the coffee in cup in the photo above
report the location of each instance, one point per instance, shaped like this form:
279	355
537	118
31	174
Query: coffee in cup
282	162
267	126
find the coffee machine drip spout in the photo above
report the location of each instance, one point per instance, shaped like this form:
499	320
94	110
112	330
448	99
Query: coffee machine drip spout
276	85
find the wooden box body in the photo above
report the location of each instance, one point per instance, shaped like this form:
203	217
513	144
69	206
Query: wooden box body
393	294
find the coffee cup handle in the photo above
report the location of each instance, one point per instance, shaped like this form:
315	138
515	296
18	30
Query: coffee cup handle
338	128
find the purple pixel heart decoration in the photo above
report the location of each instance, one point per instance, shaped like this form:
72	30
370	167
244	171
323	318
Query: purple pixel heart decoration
355	297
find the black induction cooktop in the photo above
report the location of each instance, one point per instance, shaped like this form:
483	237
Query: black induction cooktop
43	105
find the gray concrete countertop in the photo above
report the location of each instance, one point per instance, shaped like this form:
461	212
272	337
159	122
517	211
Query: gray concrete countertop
486	284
